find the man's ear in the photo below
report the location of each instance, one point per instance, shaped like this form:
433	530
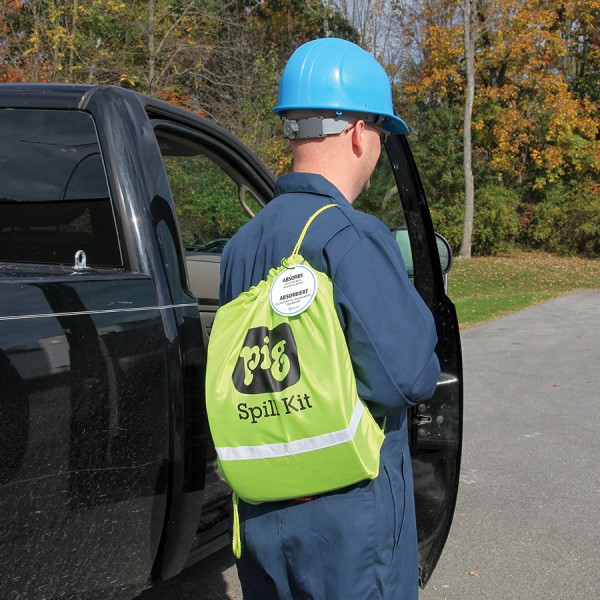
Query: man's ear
358	138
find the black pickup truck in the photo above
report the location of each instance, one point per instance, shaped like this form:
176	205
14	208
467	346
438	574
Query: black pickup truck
114	208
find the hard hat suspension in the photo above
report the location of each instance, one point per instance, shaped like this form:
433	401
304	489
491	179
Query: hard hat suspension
319	126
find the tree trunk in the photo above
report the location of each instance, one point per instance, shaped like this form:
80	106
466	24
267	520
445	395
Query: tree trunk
151	49
35	71
73	39
469	19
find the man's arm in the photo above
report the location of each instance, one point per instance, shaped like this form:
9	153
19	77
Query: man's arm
390	331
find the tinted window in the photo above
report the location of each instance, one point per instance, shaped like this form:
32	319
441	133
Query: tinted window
54	198
211	200
383	200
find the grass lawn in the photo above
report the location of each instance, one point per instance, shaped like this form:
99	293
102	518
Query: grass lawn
484	288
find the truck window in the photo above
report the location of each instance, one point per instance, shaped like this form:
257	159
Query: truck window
212	201
383	200
54	198
206	202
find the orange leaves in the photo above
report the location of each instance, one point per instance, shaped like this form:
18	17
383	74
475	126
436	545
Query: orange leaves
11	68
524	89
181	100
443	54
440	34
531	124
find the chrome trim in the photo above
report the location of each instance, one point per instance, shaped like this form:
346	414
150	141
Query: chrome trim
446	379
96	312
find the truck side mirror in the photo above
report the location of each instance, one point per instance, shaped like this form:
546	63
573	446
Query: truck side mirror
445	253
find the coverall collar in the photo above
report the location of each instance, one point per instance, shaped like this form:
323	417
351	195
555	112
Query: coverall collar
309	183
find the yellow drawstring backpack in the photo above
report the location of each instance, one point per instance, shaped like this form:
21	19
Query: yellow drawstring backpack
281	396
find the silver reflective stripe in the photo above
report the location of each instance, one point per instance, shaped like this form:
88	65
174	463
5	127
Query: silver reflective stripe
318	442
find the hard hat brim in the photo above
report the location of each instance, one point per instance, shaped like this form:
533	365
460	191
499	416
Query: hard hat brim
395	124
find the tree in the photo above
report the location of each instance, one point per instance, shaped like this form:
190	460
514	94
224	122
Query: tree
534	122
469	9
579	22
244	88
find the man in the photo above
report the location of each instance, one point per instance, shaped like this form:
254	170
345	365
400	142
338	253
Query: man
358	542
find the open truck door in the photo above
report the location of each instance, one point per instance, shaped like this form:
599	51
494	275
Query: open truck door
397	197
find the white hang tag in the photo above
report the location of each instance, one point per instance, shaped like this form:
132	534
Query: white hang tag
293	290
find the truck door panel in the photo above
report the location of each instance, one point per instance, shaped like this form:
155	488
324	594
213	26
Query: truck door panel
397	198
83	377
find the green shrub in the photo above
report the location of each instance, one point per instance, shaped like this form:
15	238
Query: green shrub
567	220
495	222
448	220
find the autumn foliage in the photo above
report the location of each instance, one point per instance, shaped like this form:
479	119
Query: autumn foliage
536	115
11	70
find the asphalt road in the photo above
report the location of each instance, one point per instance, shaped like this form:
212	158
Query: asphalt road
527	522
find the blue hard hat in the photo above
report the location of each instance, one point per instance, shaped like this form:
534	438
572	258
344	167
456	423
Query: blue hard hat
334	74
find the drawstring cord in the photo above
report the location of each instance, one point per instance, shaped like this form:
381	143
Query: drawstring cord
301	238
236	542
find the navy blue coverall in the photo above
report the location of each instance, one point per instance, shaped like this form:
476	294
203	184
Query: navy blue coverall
357	543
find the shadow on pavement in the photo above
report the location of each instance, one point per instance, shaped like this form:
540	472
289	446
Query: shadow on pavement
214	578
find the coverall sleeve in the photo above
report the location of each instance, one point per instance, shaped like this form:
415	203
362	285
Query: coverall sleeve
390	331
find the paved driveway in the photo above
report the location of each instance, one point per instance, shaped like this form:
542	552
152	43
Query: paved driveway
527	521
